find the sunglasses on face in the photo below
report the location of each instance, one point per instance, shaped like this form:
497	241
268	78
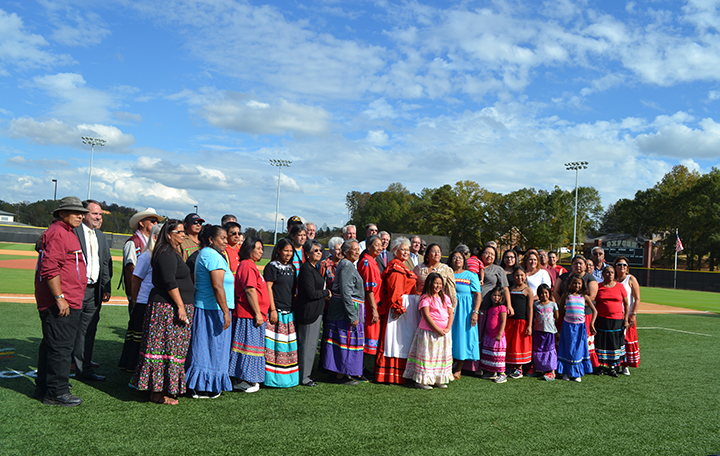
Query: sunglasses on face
178	232
151	220
621	265
197	222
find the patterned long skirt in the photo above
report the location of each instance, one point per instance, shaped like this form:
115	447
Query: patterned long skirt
544	356
133	337
163	349
632	348
430	359
519	345
610	341
209	354
281	357
342	348
573	352
247	351
492	356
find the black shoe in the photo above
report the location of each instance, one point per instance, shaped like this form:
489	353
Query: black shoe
66	400
93	378
345	381
309	383
361	378
612	372
38	394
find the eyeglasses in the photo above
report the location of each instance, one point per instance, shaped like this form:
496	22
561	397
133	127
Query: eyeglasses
237	233
622	265
316	251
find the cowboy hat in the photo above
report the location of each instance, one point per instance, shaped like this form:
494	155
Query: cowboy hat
147	213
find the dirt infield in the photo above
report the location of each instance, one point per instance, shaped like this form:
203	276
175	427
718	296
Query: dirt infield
18	264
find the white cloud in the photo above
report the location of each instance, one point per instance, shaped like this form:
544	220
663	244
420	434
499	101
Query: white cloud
380	109
244	113
88	29
76	101
377	138
56	132
23	50
680	141
186	176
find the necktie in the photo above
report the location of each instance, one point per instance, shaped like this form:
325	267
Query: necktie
93	258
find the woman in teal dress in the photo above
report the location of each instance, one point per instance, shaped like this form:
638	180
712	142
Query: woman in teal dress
465	340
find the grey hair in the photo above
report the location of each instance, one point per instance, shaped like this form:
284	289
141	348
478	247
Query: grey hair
462	248
345	228
334	242
596	248
371	240
399	242
308	247
383	232
347	244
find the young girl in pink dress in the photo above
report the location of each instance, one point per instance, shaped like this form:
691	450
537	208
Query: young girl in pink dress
494	346
430	358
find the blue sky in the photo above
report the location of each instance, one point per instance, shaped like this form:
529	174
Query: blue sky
194	97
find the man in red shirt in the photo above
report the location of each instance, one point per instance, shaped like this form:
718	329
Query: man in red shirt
60	281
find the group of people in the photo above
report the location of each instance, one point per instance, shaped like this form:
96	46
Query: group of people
204	319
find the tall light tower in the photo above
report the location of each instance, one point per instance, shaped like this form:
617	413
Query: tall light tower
55	194
575	166
93	142
280	164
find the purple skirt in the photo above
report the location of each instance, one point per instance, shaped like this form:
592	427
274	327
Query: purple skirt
544	353
342	348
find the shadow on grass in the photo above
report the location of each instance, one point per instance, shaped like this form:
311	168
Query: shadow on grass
19	362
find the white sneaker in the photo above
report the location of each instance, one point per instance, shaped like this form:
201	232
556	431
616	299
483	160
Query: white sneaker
441	385
625	371
577	379
254	388
243	386
423	386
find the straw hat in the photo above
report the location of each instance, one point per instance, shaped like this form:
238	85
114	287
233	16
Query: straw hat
147	213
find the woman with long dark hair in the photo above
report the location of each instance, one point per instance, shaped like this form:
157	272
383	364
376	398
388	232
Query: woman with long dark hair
252	306
209	354
168	320
281	360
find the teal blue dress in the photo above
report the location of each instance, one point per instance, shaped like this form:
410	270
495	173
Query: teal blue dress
465	338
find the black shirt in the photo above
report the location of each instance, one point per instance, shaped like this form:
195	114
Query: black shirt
169	272
283	278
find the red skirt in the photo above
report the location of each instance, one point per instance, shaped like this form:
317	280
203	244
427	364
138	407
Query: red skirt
632	349
591	343
388	370
519	345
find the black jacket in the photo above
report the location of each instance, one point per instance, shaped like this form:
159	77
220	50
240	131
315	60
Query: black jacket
310	301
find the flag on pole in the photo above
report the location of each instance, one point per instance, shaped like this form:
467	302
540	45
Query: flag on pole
678	244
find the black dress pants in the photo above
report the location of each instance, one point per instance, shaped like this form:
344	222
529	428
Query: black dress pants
55	354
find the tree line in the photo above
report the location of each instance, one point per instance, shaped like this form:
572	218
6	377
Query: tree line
684	200
472	215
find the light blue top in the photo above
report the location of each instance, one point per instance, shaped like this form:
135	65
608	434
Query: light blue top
208	260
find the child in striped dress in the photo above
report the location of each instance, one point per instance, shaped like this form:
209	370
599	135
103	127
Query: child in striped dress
573	352
430	358
494	346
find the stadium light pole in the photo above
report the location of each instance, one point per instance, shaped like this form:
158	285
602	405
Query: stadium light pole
280	164
93	142
196	209
55	194
575	166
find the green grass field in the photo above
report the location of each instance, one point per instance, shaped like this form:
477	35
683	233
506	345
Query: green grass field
669	406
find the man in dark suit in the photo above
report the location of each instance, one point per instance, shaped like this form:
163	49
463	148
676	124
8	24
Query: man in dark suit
385	256
96	252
